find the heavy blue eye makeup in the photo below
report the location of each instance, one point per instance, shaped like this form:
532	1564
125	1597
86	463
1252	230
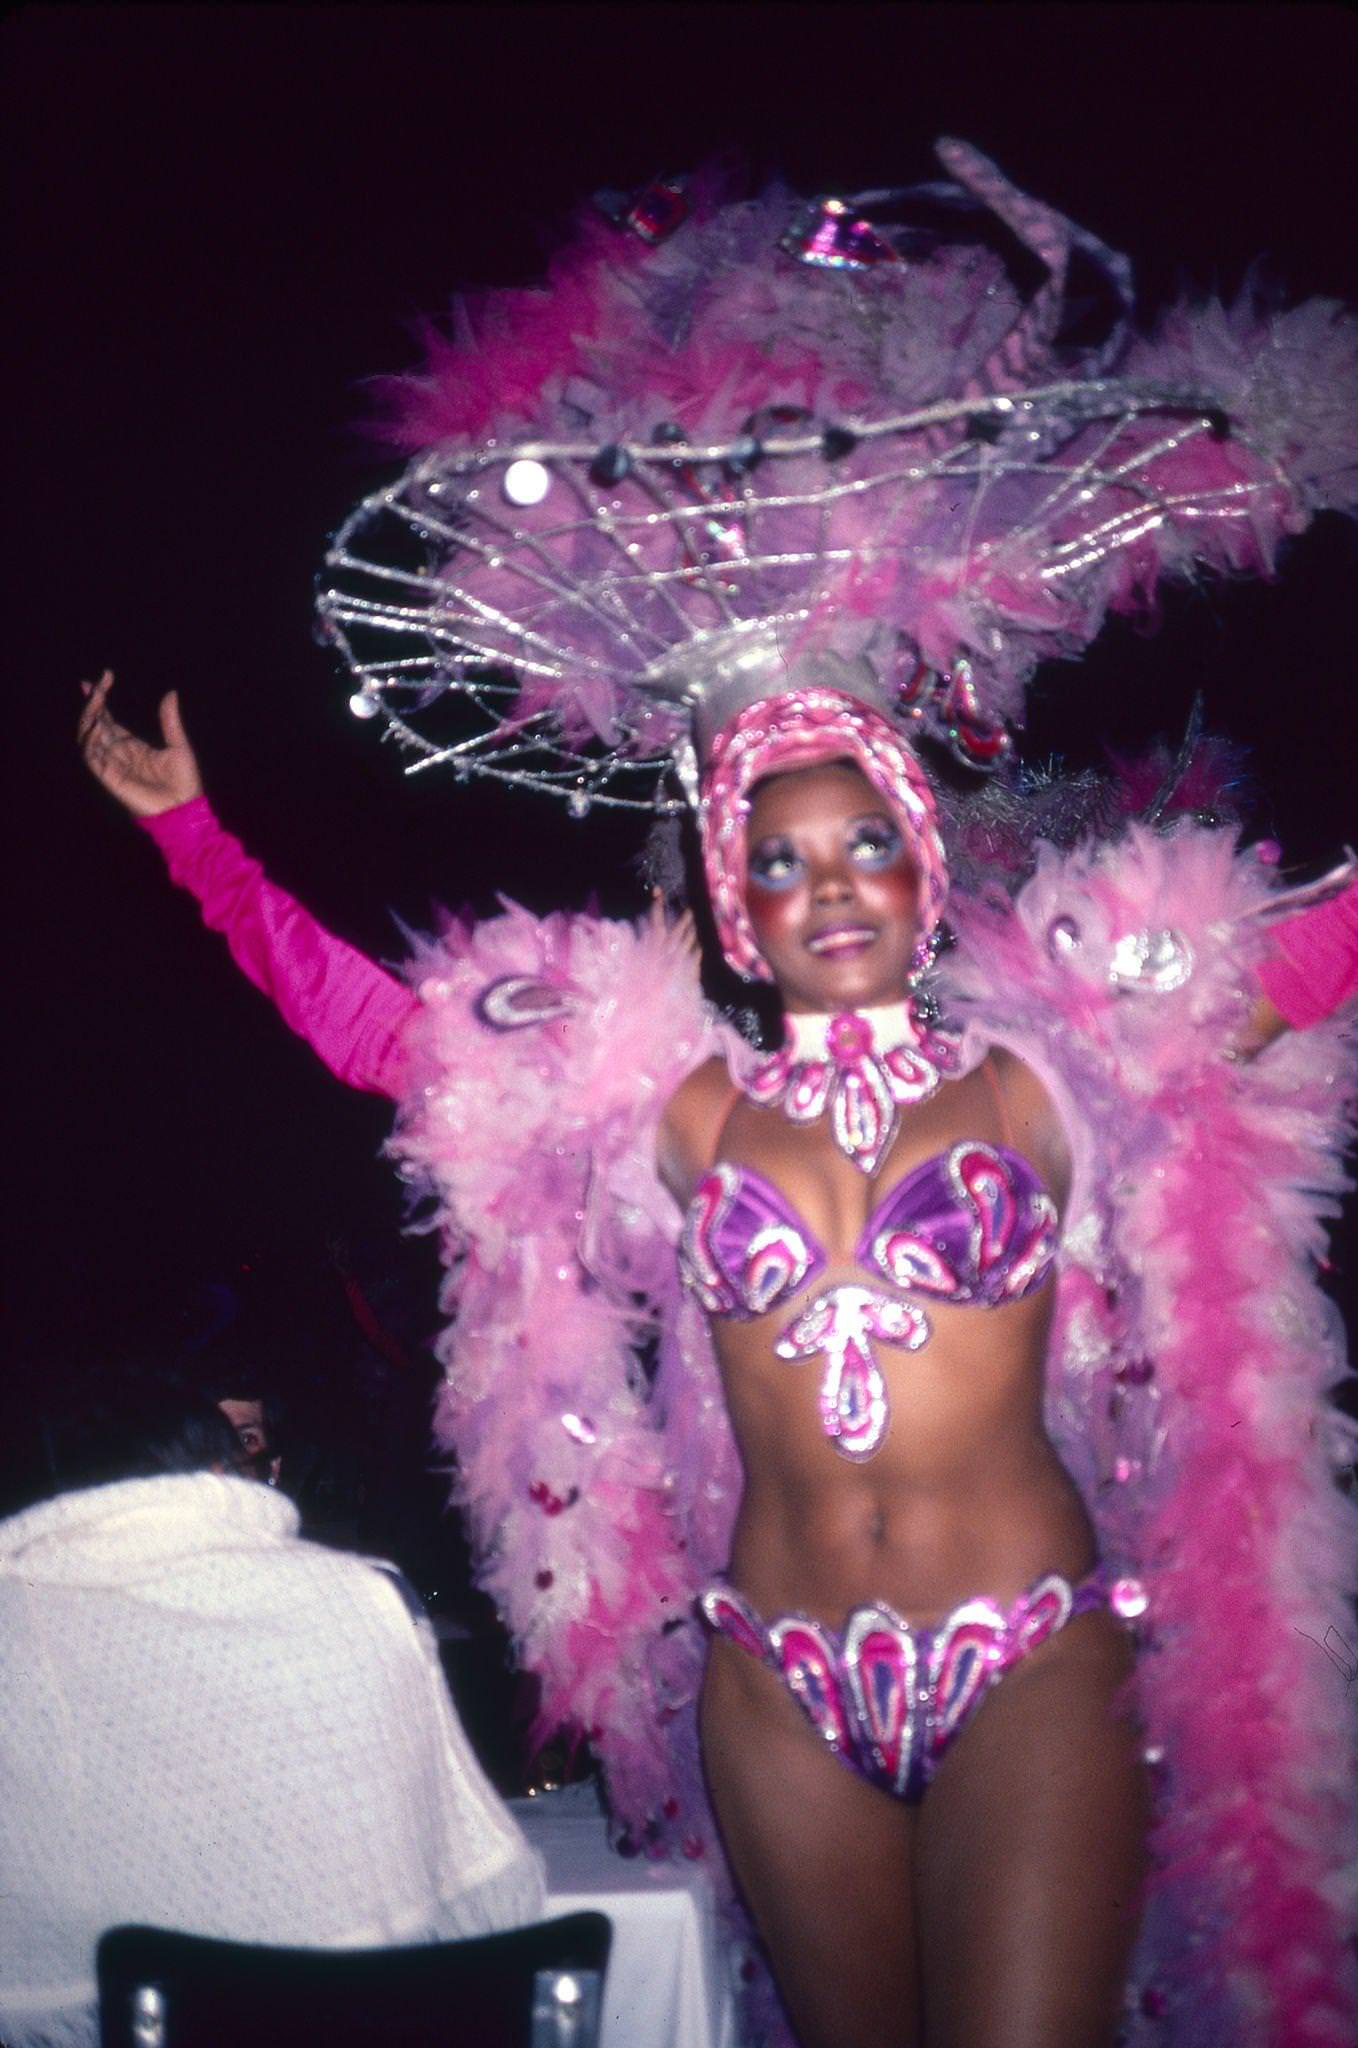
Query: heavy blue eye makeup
774	864
874	843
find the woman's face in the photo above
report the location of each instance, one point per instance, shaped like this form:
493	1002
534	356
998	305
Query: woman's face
831	890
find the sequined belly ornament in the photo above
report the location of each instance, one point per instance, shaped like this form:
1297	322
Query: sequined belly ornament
840	1326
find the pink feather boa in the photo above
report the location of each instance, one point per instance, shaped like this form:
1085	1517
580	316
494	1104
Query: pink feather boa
1187	1393
1187	1380
540	1144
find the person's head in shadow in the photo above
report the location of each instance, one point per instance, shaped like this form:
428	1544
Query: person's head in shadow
241	1386
238	1357
133	1422
251	1368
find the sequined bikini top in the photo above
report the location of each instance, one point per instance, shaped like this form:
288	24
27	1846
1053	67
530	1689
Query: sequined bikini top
972	1225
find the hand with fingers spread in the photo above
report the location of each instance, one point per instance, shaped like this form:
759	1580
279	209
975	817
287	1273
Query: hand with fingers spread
145	779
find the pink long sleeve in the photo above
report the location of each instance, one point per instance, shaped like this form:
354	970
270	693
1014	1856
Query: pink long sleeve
349	1010
1314	965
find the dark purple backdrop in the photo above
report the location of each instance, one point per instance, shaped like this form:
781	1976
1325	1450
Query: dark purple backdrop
219	221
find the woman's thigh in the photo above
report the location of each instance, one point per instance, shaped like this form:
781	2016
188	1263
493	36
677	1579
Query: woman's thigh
1030	1854
822	1858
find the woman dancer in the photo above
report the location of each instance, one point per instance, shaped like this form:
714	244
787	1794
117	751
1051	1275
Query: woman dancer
926	1778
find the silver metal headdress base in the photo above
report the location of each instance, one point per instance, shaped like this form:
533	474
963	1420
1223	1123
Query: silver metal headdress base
468	630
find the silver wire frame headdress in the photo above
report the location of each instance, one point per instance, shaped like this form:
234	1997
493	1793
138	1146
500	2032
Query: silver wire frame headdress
729	437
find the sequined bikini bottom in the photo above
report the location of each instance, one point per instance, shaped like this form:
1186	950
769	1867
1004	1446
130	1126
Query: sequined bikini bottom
888	1698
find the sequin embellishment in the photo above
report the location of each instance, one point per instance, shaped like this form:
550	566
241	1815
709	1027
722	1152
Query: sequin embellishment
887	1698
742	1250
972	1225
839	1326
863	1088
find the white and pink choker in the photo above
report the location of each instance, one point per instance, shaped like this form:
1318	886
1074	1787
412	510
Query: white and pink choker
865	1066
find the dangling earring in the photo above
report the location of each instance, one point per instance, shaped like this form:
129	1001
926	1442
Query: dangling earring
922	998
923	957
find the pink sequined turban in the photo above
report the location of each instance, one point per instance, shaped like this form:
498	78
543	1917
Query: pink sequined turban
797	730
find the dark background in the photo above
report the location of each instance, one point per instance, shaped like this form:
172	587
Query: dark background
219	220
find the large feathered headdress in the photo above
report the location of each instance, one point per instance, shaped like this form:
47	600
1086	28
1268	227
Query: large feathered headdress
728	438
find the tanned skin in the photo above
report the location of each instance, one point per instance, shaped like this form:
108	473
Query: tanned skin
1001	1912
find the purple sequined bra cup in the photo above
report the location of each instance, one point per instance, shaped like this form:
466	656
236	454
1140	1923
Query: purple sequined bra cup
887	1698
972	1225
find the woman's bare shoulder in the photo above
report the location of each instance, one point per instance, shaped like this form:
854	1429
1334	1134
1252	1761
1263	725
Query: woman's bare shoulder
1033	1116
691	1125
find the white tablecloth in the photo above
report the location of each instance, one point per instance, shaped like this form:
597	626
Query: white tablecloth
667	1983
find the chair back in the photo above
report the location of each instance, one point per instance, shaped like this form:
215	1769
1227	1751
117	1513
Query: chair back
533	1987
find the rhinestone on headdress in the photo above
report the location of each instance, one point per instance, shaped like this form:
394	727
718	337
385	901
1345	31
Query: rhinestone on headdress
831	235
653	212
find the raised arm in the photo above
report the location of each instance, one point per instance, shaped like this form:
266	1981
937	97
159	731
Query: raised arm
1313	968
145	779
350	1011
1311	971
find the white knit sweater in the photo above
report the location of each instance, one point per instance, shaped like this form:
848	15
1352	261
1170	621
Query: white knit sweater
207	1723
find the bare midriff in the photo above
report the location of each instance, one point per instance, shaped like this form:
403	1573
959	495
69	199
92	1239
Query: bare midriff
965	1494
